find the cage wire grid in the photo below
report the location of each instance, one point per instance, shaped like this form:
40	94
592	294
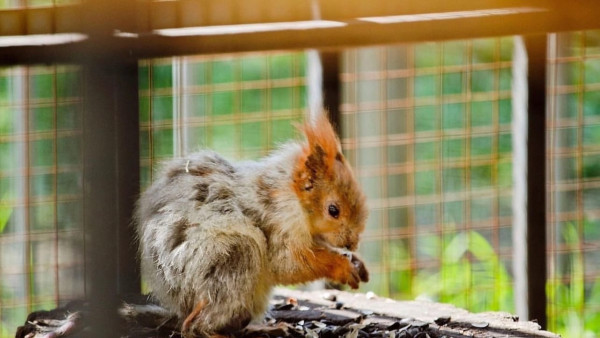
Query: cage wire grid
574	162
412	111
243	106
40	182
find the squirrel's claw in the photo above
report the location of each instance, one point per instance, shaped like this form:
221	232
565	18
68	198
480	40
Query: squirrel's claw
358	272
359	266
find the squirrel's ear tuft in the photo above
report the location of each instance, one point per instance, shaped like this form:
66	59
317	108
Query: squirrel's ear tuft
319	153
319	134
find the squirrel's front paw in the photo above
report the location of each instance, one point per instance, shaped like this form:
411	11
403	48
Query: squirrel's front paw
360	267
339	266
357	272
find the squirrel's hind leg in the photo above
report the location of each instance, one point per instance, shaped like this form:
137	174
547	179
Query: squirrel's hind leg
192	316
227	286
185	329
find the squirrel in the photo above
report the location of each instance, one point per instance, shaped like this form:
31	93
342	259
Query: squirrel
215	237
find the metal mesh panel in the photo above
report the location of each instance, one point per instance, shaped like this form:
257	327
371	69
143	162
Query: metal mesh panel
241	106
574	201
428	128
41	185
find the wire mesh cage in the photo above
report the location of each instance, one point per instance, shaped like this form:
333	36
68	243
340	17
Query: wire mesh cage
428	127
574	196
41	183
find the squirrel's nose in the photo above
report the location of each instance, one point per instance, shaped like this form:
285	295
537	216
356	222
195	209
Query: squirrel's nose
351	242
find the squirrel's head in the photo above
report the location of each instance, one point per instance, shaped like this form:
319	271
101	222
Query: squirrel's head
327	189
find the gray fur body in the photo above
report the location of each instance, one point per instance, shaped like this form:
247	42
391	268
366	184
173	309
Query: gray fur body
216	232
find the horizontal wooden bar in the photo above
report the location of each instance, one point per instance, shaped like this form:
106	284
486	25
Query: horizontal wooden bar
321	34
41	20
151	15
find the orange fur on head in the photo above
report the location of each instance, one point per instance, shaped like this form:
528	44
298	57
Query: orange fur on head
318	154
322	178
320	134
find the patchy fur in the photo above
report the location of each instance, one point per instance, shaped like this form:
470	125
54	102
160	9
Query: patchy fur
215	237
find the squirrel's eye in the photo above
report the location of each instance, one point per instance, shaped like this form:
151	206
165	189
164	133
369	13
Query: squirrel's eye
333	211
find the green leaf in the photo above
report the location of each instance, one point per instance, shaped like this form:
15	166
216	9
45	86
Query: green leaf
456	248
5	212
577	289
480	247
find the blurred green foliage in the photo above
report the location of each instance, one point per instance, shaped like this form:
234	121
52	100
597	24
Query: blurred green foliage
572	296
460	266
6	322
48	131
469	255
5	211
242	106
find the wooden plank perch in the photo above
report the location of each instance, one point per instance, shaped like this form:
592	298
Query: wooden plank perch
293	313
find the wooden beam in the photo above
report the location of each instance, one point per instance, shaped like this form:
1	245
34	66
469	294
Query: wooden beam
41	20
295	35
152	15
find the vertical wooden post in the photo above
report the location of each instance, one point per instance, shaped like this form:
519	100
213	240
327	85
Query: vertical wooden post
100	191
111	164
111	171
330	62
128	169
536	47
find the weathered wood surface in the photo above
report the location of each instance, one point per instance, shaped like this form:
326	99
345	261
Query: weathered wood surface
327	313
462	323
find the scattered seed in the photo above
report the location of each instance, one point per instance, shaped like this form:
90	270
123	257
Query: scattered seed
394	326
407	320
330	297
366	312
442	320
480	325
319	324
281	307
341	330
311	334
413	331
420	325
404	334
